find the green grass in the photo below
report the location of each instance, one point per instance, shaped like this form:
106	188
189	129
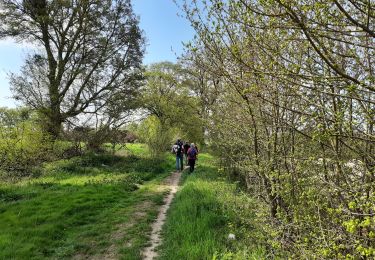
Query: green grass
205	211
78	207
100	205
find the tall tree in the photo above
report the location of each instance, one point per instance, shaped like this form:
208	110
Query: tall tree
172	106
90	52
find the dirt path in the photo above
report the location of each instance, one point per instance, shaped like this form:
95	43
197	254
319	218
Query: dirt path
155	239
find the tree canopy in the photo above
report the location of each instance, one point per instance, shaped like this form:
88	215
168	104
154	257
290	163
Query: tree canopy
89	55
172	107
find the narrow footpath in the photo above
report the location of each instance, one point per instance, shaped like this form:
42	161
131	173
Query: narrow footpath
172	182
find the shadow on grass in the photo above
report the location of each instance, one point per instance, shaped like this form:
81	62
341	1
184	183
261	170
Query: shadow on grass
73	206
107	163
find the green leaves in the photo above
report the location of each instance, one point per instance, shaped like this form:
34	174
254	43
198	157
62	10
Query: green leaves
294	117
90	57
171	106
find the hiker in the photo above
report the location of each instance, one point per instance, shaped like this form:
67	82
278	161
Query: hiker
186	148
192	156
178	150
196	148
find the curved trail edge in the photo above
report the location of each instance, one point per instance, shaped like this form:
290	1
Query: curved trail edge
172	182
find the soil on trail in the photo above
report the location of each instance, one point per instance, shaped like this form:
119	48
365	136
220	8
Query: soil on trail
172	181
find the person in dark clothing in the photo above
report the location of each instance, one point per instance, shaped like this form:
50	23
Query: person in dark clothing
192	156
196	148
178	150
186	148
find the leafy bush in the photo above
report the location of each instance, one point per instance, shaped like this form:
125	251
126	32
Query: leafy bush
23	147
156	135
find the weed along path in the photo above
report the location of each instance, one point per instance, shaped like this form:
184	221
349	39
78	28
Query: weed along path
171	183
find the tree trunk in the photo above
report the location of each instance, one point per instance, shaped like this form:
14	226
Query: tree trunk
54	124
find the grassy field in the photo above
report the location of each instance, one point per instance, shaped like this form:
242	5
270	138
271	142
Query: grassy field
95	206
102	206
205	211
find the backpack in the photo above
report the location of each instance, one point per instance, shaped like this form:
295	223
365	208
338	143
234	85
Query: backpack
192	153
177	149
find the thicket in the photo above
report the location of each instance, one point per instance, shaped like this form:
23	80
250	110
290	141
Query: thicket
23	145
293	117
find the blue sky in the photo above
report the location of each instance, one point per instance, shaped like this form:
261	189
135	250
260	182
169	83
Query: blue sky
164	30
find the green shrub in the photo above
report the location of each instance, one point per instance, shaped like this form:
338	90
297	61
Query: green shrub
23	147
156	135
